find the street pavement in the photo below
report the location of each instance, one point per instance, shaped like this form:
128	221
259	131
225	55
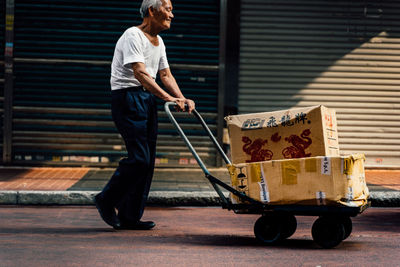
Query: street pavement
170	187
184	236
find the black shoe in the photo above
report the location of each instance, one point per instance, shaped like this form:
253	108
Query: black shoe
107	212
139	225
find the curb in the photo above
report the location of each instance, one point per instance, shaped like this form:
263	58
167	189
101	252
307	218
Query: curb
385	199
159	198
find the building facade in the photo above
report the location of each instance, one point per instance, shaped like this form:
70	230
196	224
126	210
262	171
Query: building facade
229	56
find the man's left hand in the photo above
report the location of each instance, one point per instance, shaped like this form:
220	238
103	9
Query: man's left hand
190	104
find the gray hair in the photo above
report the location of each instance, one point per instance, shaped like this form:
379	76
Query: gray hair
146	4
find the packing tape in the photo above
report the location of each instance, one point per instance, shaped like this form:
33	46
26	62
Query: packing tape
348	165
310	164
290	169
233	173
255	173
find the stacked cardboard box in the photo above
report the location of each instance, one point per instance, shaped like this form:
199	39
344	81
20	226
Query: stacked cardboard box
293	133
303	181
292	157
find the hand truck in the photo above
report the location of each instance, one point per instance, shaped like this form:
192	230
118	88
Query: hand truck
277	222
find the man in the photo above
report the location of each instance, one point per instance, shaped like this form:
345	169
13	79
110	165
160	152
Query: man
139	55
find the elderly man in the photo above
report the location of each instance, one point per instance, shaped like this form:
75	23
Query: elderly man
139	55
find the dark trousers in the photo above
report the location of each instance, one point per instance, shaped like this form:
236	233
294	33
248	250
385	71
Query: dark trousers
134	112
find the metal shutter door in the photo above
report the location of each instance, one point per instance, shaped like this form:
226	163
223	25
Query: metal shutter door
342	54
2	46
63	52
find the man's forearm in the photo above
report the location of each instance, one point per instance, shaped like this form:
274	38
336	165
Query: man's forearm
172	87
149	84
170	83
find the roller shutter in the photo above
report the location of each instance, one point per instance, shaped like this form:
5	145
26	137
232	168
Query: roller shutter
2	46
342	54
63	52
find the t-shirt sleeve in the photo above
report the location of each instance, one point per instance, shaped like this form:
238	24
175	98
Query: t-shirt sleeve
132	50
163	58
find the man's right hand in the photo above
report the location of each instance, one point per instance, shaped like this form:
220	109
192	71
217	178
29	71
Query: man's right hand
180	103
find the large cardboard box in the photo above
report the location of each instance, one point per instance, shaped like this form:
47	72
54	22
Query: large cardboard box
293	133
304	181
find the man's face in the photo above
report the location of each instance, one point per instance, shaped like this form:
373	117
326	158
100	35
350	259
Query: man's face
163	16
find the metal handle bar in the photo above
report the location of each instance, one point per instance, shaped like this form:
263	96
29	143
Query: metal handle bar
186	140
214	181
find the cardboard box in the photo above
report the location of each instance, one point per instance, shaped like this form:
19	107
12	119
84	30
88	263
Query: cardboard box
293	133
304	181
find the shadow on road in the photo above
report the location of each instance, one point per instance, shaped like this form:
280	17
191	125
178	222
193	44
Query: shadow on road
232	241
54	231
252	242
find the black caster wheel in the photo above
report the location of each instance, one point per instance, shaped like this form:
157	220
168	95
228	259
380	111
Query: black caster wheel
348	226
267	229
328	232
288	225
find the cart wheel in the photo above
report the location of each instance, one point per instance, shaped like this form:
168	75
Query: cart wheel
327	232
267	229
348	226
288	225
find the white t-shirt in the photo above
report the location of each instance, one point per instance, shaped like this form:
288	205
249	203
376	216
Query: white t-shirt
133	46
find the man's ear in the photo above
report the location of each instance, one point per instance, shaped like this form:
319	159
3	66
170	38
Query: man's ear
151	11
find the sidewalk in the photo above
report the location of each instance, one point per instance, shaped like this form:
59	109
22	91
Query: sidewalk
77	186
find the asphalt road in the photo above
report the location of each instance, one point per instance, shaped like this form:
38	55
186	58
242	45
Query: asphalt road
76	236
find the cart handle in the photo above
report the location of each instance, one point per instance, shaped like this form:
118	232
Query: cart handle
186	140
214	181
